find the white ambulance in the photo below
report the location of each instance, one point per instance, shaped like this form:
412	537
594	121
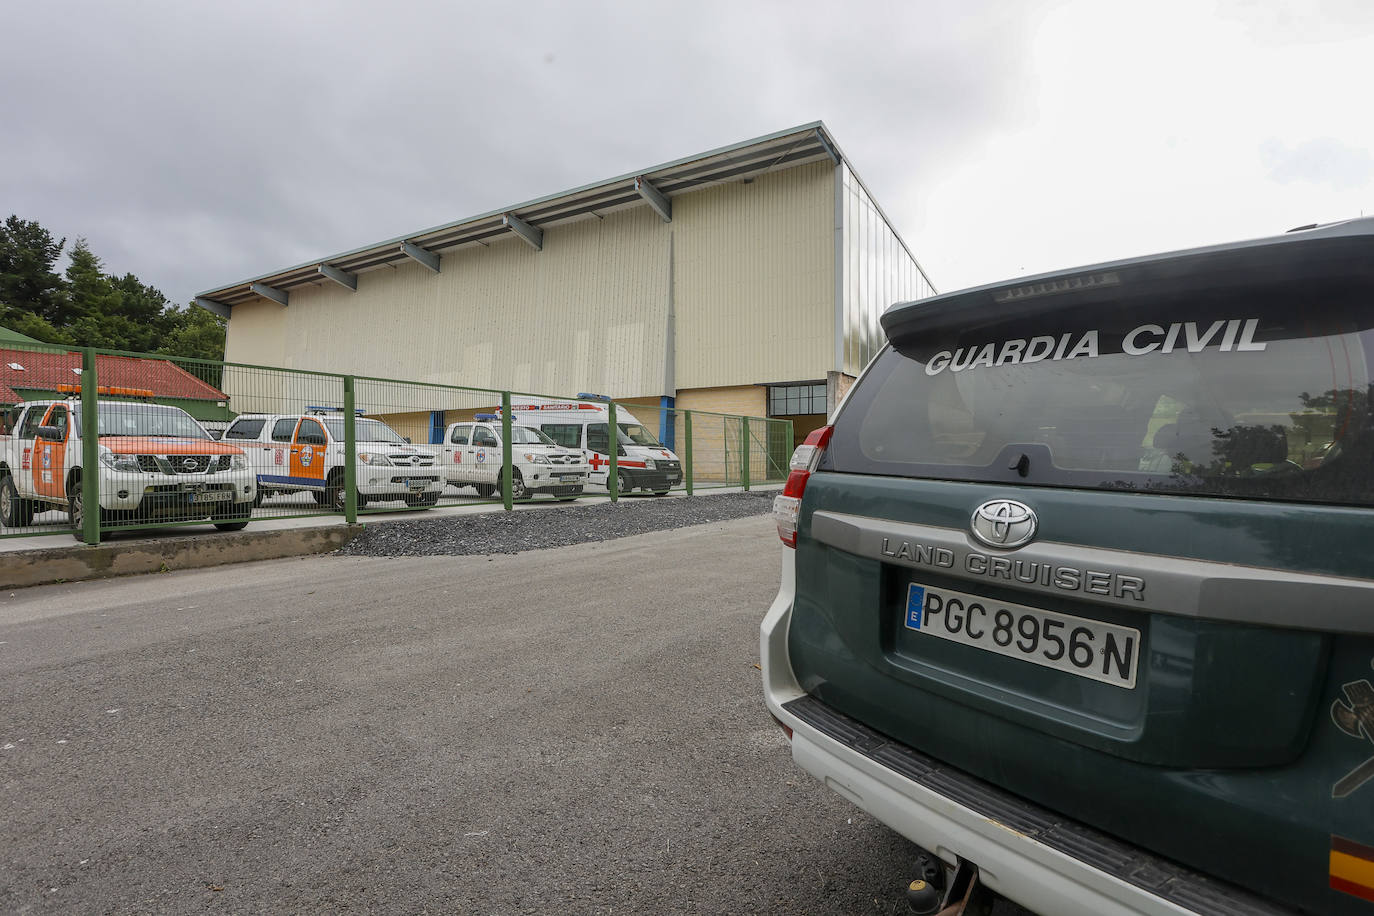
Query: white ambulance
472	457
643	463
305	452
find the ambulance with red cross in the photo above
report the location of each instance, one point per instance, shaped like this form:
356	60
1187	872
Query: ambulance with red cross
642	462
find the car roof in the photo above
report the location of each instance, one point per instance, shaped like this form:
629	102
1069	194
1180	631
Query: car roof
961	305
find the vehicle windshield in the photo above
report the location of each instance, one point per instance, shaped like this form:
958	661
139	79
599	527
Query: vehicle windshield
364	430
528	435
117	419
639	435
1251	394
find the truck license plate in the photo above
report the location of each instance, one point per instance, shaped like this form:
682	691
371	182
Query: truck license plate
210	496
416	483
1088	648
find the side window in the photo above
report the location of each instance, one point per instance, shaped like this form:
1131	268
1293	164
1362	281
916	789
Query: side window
460	435
58	417
283	429
311	433
568	435
483	436
32	420
598	437
245	429
8	419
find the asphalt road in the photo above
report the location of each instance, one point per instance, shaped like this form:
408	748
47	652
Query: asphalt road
577	730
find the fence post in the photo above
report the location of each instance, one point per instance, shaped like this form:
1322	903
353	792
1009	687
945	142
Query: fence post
687	452
744	452
506	498
90	450
613	470
350	426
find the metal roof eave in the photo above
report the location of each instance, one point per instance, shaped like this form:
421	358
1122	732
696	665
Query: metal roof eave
793	146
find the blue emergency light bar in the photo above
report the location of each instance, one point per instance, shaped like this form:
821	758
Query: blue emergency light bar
486	416
582	395
316	409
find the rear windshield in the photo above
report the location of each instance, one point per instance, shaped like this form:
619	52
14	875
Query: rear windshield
1258	394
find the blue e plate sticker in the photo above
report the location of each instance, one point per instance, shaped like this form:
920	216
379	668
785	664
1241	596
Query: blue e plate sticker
915	604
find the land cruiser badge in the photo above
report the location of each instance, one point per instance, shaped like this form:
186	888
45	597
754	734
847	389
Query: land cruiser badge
1003	523
1355	716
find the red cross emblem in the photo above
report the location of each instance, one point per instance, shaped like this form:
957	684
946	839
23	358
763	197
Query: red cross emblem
598	462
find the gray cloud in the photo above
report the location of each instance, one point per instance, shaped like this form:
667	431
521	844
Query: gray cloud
196	145
1324	160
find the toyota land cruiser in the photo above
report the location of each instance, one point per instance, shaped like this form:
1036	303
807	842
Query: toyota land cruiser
1078	591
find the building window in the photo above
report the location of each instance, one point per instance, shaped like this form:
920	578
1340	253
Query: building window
795	400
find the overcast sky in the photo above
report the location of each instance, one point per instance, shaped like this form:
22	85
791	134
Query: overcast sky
197	144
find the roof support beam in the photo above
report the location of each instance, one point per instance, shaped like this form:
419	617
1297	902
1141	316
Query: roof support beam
532	234
656	198
341	277
213	307
270	292
829	150
424	256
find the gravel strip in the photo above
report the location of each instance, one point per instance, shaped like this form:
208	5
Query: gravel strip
556	526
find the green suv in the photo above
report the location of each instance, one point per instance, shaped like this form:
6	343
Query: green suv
1079	594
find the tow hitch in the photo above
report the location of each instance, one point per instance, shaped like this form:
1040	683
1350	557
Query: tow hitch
964	896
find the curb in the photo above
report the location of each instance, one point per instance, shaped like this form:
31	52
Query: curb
72	564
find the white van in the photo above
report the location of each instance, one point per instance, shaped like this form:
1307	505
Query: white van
643	462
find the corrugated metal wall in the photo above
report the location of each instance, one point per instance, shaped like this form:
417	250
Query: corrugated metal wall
753	277
876	271
590	310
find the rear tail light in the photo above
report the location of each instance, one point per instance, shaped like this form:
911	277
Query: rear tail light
787	507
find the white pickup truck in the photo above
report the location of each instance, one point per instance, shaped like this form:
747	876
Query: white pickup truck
156	464
293	453
472	456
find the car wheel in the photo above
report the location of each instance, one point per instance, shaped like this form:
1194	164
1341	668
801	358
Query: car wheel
235	518
335	495
622	481
518	490
14	512
76	511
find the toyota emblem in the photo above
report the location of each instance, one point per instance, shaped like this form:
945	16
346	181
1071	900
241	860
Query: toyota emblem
1004	523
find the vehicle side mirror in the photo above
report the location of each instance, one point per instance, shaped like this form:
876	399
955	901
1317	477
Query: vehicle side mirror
215	433
620	450
51	433
407	438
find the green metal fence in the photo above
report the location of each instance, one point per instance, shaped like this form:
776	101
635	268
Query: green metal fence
286	443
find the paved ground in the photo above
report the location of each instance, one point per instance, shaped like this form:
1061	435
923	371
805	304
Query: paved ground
577	730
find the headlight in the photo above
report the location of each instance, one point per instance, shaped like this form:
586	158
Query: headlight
374	459
649	463
238	462
119	462
536	459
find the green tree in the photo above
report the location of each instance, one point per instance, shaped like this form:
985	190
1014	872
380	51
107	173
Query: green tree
195	333
31	293
89	307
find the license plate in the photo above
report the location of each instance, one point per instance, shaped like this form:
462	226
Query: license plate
1088	648
211	496
416	484
569	476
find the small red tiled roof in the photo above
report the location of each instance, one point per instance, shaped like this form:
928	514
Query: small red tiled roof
44	371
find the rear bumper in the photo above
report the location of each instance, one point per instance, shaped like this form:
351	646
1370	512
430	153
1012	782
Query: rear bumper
1026	853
